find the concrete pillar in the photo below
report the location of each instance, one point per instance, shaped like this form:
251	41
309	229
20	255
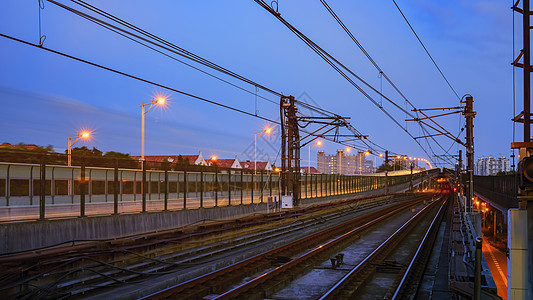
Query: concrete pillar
517	262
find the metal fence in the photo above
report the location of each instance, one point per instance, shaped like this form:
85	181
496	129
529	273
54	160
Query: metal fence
502	189
36	191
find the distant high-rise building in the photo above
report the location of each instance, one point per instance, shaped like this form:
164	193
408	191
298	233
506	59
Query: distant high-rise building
340	163
489	165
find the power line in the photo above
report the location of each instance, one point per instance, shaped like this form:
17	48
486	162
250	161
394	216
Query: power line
421	43
382	73
158	85
336	65
166	46
149	38
137	78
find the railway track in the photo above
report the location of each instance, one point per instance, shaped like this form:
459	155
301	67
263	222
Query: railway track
361	280
272	269
92	266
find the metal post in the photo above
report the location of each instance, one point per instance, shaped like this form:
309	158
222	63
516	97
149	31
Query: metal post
166	187
115	188
321	186
185	188
142	132
316	185
144	186
42	192
229	187
242	185
527	130
201	188
411	184
469	115
270	183
494	222
253	187
460	167
477	275
216	186
306	185
82	188
386	182
262	188
527	77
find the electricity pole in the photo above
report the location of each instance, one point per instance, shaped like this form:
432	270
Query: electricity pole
469	114
520	240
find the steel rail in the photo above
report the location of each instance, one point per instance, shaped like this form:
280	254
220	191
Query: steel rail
364	265
212	281
161	260
411	277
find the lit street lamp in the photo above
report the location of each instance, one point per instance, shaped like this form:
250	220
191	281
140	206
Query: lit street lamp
267	130
424	160
81	134
318	143
159	101
340	158
367	153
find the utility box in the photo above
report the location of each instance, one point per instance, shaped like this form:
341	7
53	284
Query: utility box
286	201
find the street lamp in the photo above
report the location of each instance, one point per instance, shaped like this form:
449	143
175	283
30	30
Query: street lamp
267	130
424	160
161	101
367	153
341	152
318	143
81	134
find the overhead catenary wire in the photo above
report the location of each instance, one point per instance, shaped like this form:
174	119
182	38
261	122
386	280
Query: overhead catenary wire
178	49
158	85
425	49
144	42
337	65
168	47
382	74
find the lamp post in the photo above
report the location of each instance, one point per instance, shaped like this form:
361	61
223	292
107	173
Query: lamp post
318	143
341	152
159	101
267	130
426	161
375	167
81	134
367	153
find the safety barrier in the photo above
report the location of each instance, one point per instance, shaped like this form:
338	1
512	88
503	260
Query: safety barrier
72	191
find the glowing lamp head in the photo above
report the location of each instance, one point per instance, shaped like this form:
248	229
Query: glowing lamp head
381	155
276	170
85	134
367	153
161	100
214	158
319	143
348	149
268	130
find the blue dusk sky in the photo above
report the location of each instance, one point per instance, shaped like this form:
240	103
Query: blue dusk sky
46	97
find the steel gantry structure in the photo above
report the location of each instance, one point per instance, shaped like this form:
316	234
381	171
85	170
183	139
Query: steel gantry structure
292	121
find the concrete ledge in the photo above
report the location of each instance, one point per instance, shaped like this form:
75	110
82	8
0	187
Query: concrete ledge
24	236
37	234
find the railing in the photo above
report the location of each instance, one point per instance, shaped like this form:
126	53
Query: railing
502	189
82	191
